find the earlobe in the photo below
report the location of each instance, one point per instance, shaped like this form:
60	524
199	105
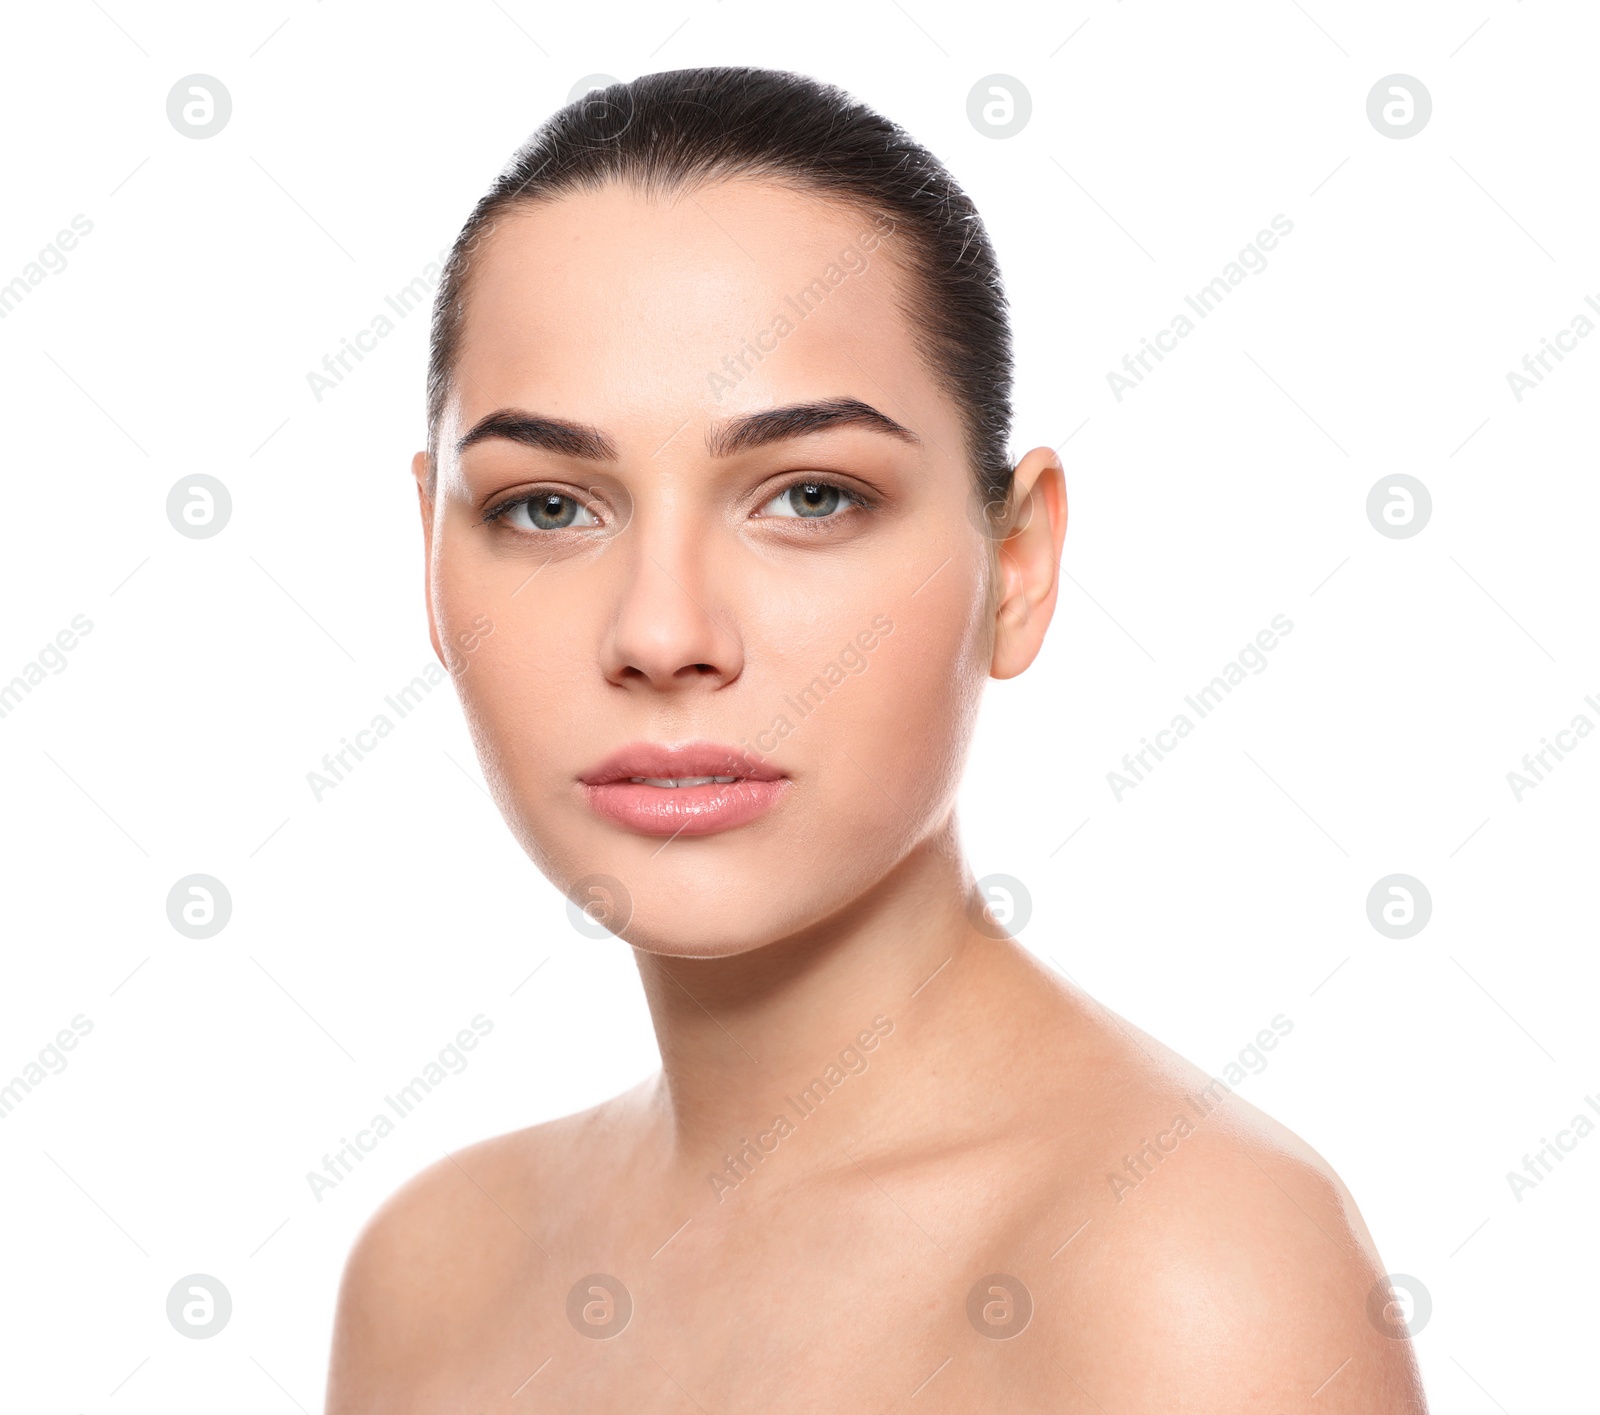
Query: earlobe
1030	562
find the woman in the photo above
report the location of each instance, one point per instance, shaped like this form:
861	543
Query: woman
718	422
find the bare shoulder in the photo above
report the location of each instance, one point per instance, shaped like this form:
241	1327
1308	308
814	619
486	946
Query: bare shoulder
456	1242
1224	1265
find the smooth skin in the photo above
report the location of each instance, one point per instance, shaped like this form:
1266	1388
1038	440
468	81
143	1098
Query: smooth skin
980	1104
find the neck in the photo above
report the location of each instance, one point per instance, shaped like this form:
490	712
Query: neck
899	984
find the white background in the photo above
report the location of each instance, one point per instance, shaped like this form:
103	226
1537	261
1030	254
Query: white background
1229	487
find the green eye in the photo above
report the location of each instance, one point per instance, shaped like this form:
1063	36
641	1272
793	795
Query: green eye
808	500
544	511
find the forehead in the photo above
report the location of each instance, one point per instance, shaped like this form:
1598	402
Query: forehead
635	312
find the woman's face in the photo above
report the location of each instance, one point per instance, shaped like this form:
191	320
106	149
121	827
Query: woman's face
641	566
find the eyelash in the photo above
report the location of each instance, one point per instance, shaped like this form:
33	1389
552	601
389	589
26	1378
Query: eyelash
523	498
854	500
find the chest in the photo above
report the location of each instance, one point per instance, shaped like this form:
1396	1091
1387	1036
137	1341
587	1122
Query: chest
797	1312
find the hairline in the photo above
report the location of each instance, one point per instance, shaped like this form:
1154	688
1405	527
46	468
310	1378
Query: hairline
915	290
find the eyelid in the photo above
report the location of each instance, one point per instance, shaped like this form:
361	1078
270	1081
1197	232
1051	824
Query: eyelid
858	498
855	495
501	505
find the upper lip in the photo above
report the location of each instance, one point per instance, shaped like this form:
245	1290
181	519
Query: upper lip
659	761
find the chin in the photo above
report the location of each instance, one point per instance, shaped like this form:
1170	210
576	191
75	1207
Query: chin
714	896
692	912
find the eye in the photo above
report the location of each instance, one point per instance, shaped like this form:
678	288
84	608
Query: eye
810	500
543	511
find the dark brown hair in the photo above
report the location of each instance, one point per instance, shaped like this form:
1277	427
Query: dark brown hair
666	131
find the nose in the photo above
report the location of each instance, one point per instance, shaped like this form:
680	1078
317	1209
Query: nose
670	630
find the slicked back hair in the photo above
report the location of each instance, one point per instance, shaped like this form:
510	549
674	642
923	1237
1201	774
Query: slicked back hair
670	131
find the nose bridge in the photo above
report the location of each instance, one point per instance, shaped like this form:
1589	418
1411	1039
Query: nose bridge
670	627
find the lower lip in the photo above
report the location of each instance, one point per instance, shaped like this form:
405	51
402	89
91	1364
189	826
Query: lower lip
685	810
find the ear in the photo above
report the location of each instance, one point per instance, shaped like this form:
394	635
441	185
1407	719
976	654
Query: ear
1030	562
420	470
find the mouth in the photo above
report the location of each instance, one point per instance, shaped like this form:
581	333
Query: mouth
672	785
697	788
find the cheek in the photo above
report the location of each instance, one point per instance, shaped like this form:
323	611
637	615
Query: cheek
509	688
512	661
907	719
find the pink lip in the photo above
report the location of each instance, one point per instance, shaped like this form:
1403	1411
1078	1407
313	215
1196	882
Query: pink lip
681	810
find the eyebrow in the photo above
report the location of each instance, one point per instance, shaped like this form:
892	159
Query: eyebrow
723	439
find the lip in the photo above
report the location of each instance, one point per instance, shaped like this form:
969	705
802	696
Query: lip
613	792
